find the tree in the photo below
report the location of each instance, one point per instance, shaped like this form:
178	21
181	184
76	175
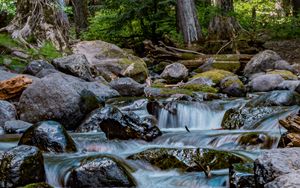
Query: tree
223	26
80	8
39	21
188	22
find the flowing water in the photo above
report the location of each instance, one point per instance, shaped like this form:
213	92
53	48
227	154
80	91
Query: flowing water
203	119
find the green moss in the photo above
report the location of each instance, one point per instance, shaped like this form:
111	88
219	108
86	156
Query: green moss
172	91
229	82
159	68
231	66
38	185
136	69
7	41
285	74
49	51
13	63
158	85
200	88
189	56
215	75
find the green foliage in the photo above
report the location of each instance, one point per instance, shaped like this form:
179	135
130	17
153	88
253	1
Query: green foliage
47	51
7	41
8	6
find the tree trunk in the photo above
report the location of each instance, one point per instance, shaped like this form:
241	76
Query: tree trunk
81	12
296	7
41	21
188	22
223	27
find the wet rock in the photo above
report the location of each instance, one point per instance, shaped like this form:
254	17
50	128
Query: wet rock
4	75
247	117
215	75
60	99
275	98
252	139
201	81
110	61
264	61
100	172
233	86
242	176
16	126
175	73
200	96
46	72
76	65
34	67
13	87
285	74
92	122
48	136
38	185
189	159
165	92
265	83
127	87
124	126
288	85
20	166
272	164
7	112
291	180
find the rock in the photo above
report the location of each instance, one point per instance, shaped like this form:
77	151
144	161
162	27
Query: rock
34	67
92	122
268	82
159	68
201	81
62	99
46	72
13	87
127	87
242	176
100	172
298	89
38	185
288	85
291	180
76	65
275	98
175	73
20	166
215	75
16	126
285	74
233	86
124	126
247	117
110	61
167	92
253	140
188	159
275	163
4	75
200	85
266	60
48	136
7	112
19	54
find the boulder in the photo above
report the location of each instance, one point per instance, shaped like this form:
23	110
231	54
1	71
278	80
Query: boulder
201	81
92	122
247	117
285	74
160	67
76	65
264	61
242	175
20	166
275	163
110	61
13	87
127	87
48	136
46	72
200	85
100	172
233	86
275	98
188	159
124	126
60	97
16	126
288	85
7	112
175	73
291	180
215	75
263	83
4	75
34	67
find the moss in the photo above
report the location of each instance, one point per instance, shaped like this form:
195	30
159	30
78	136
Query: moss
49	51
189	56
172	91
285	74
38	185
200	88
158	85
229	82
231	66
138	70
215	75
13	63
159	68
7	41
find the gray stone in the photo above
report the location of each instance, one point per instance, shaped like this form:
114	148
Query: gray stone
201	81
233	86
127	87
265	83
34	67
290	180
288	85
7	112
175	73
16	126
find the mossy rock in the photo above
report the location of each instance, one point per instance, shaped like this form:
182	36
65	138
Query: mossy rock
13	63
216	75
159	68
134	68
255	138
231	66
38	185
172	91
188	159
200	88
285	74
233	86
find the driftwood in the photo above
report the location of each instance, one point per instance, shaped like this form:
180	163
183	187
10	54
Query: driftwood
13	87
292	124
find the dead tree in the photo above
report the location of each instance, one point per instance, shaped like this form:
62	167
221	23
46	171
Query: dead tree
39	21
80	9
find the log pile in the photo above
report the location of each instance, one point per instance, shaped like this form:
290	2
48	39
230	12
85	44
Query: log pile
292	137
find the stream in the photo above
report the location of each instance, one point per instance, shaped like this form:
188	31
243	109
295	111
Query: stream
203	119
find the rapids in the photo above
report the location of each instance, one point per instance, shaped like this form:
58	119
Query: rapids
203	119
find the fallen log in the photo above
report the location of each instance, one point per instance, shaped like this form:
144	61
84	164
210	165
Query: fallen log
13	87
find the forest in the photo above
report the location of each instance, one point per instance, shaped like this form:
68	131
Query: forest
150	93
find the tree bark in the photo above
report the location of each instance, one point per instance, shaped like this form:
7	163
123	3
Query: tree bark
41	21
81	12
188	22
296	7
